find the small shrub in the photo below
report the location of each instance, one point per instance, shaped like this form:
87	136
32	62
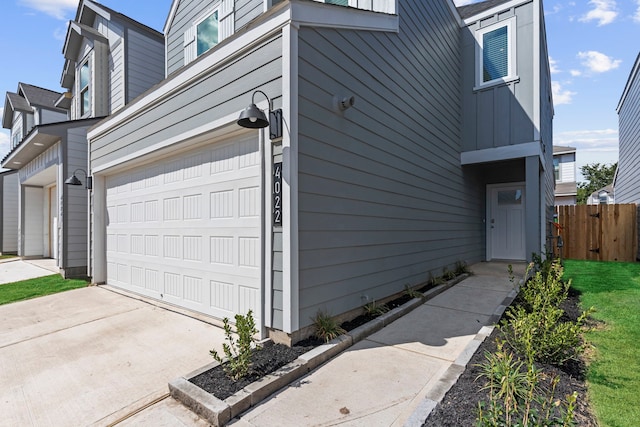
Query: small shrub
448	274
462	268
411	293
374	309
237	352
436	281
327	328
516	397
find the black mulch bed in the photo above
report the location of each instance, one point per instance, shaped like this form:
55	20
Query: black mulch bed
459	406
272	357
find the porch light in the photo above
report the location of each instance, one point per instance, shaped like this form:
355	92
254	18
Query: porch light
73	179
254	118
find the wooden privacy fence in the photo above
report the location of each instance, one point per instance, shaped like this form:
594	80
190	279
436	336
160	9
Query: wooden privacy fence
597	232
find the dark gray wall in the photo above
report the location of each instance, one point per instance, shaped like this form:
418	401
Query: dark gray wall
144	62
383	200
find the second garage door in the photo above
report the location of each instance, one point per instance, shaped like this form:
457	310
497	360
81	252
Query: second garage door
187	229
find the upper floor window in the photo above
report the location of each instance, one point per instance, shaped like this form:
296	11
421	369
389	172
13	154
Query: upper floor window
17	137
85	95
207	33
556	168
495	54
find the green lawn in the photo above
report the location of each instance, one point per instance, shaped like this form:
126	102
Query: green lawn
32	288
614	371
8	256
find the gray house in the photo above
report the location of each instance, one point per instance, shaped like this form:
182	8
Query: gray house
8	212
627	178
109	60
413	135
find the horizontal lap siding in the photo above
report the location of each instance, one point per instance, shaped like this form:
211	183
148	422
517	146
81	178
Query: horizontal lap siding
186	13
224	91
246	10
383	200
75	219
628	180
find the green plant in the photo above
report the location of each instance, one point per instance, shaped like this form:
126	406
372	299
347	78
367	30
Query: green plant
374	309
462	268
237	352
535	328
412	293
436	281
41	286
516	397
448	274
327	328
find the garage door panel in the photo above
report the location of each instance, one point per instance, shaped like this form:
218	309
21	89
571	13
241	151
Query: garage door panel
187	230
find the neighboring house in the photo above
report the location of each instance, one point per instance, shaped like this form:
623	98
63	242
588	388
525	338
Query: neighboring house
413	136
9	212
109	60
603	196
564	168
627	178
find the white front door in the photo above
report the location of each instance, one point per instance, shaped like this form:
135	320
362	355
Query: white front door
506	222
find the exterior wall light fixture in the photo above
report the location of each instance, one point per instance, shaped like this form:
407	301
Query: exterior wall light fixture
73	179
254	118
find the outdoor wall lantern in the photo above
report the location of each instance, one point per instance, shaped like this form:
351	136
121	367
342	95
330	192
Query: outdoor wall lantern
253	118
73	179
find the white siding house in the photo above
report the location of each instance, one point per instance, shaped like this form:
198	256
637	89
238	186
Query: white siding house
564	168
9	212
375	179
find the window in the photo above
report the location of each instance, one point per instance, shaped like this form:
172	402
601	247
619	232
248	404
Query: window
340	2
85	100
17	137
207	33
556	168
495	54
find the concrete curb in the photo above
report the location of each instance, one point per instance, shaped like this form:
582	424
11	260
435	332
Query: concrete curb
219	412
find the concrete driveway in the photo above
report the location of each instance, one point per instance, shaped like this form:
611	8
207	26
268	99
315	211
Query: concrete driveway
93	357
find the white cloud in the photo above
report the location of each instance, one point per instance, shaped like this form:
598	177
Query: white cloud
636	17
575	73
561	96
599	140
59	9
604	11
553	66
598	62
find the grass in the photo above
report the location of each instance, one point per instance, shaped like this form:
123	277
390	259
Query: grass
33	288
613	376
8	256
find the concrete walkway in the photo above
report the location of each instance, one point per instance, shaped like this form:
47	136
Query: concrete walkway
395	376
15	269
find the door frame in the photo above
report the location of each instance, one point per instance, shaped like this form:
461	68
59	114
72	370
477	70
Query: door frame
489	210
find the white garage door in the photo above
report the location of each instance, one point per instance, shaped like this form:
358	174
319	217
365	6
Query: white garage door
187	229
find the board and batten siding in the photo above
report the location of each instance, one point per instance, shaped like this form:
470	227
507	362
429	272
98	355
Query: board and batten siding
628	180
223	91
145	63
9	208
499	115
383	200
75	202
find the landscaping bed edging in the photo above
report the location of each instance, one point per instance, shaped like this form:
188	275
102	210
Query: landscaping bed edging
219	412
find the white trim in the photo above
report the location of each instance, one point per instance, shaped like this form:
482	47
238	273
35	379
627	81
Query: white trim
494	10
632	76
170	16
512	75
454	12
267	236
192	133
291	285
502	153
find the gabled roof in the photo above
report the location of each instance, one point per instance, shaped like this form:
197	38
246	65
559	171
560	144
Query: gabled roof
27	97
470	10
632	76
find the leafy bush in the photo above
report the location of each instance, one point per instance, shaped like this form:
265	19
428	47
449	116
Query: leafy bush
516	397
327	328
237	352
412	293
536	328
462	268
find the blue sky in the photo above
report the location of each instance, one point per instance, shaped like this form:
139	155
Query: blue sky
592	45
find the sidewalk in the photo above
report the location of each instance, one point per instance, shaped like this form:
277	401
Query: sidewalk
393	377
16	269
